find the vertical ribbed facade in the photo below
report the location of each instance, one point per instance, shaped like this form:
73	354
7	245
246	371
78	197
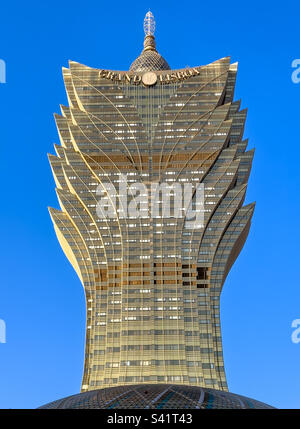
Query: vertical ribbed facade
152	285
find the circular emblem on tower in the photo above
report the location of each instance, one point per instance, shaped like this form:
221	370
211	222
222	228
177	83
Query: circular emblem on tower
149	78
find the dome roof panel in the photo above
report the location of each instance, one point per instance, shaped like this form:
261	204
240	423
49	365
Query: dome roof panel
149	61
157	396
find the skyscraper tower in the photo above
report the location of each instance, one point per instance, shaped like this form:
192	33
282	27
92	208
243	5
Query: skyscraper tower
152	282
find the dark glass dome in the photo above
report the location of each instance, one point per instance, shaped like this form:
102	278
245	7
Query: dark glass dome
149	60
156	396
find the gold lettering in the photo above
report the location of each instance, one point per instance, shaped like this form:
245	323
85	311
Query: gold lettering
137	79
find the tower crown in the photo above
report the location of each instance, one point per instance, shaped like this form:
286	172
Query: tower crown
150	59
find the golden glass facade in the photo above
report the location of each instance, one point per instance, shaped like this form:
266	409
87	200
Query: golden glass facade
152	286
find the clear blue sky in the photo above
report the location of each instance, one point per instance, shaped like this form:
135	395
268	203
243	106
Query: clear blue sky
41	299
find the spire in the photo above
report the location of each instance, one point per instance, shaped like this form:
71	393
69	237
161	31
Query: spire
149	60
149	29
149	24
